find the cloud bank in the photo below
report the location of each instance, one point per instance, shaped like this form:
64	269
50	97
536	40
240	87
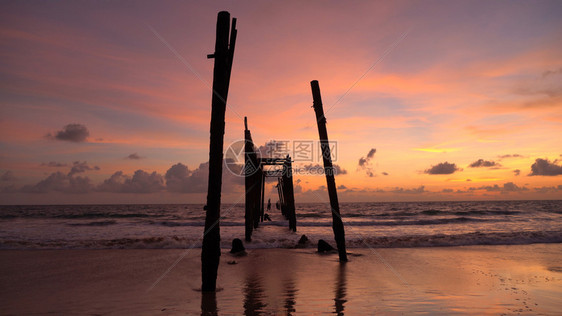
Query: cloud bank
140	182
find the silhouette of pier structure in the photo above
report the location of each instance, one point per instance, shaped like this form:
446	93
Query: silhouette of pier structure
256	169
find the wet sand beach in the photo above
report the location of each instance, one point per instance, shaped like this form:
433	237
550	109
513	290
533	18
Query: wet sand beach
513	279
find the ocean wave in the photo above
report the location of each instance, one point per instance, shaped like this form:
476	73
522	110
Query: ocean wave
440	221
468	239
290	241
97	223
107	215
327	222
313	215
156	242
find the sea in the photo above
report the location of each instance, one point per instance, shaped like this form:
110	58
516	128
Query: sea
367	225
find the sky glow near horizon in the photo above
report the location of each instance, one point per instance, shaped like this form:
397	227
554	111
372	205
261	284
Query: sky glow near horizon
464	101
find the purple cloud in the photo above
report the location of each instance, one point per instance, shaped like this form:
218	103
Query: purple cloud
442	168
72	132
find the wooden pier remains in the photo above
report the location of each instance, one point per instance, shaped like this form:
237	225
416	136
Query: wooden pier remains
256	168
255	174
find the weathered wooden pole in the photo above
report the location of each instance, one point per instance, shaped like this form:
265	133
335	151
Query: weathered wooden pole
280	192
262	192
248	171
281	197
253	176
289	193
337	224
257	184
223	55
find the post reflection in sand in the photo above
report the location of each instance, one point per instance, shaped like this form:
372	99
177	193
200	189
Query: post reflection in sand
290	294
254	294
209	304
340	290
447	280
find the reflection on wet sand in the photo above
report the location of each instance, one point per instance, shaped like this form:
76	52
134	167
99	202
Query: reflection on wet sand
209	304
254	295
290	293
340	290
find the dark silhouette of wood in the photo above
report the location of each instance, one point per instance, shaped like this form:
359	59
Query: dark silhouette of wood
324	246
280	192
337	224
254	182
257	184
248	170
223	55
262	193
289	194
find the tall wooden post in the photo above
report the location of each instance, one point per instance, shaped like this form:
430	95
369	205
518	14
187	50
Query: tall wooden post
337	224
211	251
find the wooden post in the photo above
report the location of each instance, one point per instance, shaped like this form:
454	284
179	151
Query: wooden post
223	55
280	192
253	174
289	193
262	191
337	224
256	187
248	171
281	197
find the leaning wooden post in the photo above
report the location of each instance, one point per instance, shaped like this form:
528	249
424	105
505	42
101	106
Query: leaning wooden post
211	250
337	224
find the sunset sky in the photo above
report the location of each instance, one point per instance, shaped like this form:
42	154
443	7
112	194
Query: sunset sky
109	101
